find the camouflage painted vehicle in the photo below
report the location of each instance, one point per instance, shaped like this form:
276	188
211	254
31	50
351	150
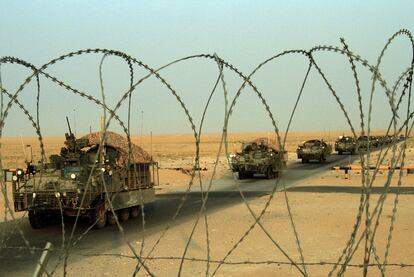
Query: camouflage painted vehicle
388	139
375	141
363	142
258	157
345	144
79	180
314	149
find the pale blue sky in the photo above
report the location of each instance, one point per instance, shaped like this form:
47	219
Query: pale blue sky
242	32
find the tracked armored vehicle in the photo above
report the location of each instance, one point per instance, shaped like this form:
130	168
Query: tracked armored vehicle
314	149
82	180
345	144
258	157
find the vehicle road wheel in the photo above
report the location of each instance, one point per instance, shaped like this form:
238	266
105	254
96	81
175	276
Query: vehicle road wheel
124	214
269	173
241	175
339	152
99	216
111	218
134	211
37	220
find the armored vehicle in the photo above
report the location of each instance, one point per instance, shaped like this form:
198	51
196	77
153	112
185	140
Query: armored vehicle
84	180
375	141
388	139
314	149
260	156
363	142
345	144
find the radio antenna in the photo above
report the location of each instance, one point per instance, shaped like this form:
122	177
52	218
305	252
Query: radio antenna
67	121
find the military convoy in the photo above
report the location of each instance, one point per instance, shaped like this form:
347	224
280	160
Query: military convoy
260	156
351	145
362	143
86	180
93	180
314	149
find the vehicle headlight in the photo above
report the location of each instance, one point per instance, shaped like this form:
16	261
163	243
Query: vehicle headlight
34	195
19	172
103	169
14	178
57	194
64	194
73	176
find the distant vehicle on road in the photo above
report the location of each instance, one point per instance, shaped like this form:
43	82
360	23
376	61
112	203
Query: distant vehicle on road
260	156
363	143
314	149
345	144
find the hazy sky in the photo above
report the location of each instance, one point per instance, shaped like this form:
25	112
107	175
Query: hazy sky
243	33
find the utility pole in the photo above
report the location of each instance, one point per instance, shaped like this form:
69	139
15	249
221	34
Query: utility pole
74	121
329	134
151	143
142	125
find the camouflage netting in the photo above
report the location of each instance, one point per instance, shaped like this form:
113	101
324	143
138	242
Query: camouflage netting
120	143
270	143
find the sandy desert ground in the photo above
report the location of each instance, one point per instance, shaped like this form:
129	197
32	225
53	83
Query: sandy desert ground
324	209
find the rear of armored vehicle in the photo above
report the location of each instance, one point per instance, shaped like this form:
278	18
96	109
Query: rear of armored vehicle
138	186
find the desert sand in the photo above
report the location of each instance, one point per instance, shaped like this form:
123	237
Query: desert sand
323	208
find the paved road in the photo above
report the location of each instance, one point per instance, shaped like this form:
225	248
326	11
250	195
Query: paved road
15	261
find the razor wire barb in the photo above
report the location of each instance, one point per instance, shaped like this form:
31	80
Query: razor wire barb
372	215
